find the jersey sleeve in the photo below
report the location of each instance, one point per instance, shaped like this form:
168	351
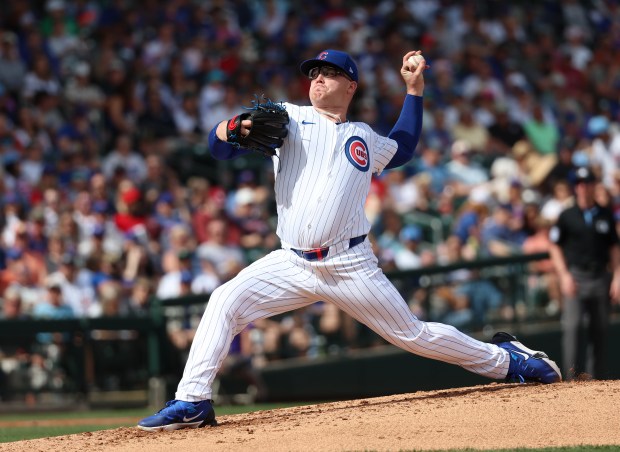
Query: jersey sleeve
292	110
385	148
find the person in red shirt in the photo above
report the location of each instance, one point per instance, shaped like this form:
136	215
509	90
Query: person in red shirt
130	210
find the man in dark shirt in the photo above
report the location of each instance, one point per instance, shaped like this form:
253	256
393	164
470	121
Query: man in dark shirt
563	169
504	133
586	252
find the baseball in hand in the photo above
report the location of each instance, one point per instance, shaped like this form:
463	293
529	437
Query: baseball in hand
415	60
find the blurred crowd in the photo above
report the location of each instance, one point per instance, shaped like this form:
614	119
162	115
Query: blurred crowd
105	107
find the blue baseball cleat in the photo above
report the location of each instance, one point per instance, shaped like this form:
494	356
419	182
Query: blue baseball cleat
178	414
527	365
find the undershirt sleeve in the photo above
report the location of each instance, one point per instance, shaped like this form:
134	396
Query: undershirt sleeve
222	150
406	132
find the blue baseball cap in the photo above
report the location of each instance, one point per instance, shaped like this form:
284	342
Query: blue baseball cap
411	232
186	277
598	125
99	230
336	58
583	174
14	253
100	206
165	197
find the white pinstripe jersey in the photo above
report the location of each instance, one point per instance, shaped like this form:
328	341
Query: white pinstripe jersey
323	178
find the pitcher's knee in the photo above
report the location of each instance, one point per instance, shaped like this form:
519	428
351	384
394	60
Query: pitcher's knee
225	302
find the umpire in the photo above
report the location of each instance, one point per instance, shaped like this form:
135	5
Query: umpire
585	252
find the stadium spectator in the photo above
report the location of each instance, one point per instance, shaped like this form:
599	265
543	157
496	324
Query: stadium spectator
462	171
77	293
542	132
533	167
504	132
228	258
40	79
560	199
604	148
470	131
12	307
103	107
81	92
543	282
499	235
171	284
437	135
53	306
229	106
12	67
207	279
561	171
401	191
187	119
139	297
125	157
408	256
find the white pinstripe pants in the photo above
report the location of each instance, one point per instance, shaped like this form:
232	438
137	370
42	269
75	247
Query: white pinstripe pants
282	281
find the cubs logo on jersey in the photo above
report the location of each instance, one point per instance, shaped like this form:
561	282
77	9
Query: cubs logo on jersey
357	153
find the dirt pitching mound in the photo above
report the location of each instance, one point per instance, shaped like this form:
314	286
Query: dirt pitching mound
483	417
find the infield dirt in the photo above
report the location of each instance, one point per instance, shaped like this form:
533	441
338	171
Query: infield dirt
483	417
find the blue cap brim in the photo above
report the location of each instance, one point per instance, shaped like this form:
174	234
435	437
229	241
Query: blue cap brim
307	65
343	62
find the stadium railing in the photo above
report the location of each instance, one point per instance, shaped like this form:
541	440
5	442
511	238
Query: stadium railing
116	354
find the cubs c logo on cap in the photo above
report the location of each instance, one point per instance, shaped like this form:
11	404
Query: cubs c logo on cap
322	56
357	153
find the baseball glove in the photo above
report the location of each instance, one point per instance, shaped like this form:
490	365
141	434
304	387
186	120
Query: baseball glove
268	129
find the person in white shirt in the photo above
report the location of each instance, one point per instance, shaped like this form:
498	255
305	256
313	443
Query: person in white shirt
462	171
124	156
408	256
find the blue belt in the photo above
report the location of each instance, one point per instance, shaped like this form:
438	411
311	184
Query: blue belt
318	254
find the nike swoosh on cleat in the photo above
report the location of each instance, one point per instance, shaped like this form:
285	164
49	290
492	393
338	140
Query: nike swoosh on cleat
189	419
525	355
304	122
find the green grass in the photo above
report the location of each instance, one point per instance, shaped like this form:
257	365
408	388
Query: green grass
138	412
32	432
8	435
523	449
546	449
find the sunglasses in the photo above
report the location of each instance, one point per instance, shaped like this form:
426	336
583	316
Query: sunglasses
325	71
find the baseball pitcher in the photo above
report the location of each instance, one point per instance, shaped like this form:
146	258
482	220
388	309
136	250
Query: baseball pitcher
323	167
